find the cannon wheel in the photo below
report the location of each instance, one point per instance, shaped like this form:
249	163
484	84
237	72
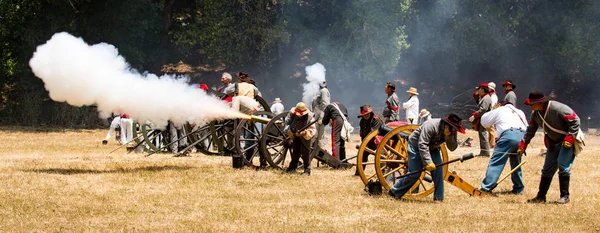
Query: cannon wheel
222	134
254	130
273	142
365	151
155	139
203	132
393	162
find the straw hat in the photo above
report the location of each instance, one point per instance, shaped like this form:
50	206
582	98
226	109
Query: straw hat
424	113
277	100
300	109
413	90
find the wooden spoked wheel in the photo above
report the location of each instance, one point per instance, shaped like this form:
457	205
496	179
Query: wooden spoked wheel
273	143
392	162
201	138
368	173
247	139
222	133
154	139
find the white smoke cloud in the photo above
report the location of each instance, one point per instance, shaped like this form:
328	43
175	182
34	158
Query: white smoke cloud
315	74
83	74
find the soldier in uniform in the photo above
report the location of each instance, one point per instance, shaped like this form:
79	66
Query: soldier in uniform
424	152
390	112
298	118
509	93
369	122
333	113
561	128
484	105
322	100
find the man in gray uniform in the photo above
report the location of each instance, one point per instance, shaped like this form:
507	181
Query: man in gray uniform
322	100
392	104
509	93
561	129
424	152
484	105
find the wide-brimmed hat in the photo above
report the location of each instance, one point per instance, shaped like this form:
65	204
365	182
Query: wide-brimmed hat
413	90
277	100
509	82
424	113
455	121
492	86
300	109
536	97
364	110
243	76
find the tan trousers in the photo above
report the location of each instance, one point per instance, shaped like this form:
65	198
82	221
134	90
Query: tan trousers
492	136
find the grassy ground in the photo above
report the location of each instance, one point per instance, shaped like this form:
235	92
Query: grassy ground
57	180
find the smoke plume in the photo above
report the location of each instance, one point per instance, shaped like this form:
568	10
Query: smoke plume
315	74
83	74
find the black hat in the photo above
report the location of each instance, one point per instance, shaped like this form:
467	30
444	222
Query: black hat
243	76
455	121
536	97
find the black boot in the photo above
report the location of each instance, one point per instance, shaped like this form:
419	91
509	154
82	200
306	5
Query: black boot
541	195
307	171
564	189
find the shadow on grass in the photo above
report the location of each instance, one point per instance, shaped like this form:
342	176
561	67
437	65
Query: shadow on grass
44	129
75	171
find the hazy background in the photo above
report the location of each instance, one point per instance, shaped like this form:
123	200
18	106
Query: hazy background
444	48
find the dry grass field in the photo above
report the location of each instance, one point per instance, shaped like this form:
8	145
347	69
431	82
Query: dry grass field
59	180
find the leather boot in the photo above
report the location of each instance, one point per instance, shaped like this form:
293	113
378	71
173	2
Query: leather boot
564	189
541	195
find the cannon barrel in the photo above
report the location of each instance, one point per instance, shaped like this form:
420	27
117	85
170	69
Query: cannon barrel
259	119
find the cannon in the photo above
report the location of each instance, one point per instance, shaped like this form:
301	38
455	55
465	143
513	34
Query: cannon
390	162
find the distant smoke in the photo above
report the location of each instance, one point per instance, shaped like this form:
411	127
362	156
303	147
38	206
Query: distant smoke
315	74
80	74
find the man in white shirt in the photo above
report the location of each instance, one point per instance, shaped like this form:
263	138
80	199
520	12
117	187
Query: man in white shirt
510	124
116	122
277	107
412	106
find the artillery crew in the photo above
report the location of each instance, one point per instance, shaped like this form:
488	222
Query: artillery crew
509	93
336	112
300	132
484	104
390	112
561	135
510	124
424	152
412	106
369	122
321	101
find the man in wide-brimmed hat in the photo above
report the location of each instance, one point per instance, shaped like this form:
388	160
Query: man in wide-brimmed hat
424	152
392	104
509	94
484	105
277	107
561	130
369	122
298	118
412	106
424	115
510	123
321	101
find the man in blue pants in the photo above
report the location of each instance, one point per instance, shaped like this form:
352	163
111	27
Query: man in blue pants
561	128
510	124
424	152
